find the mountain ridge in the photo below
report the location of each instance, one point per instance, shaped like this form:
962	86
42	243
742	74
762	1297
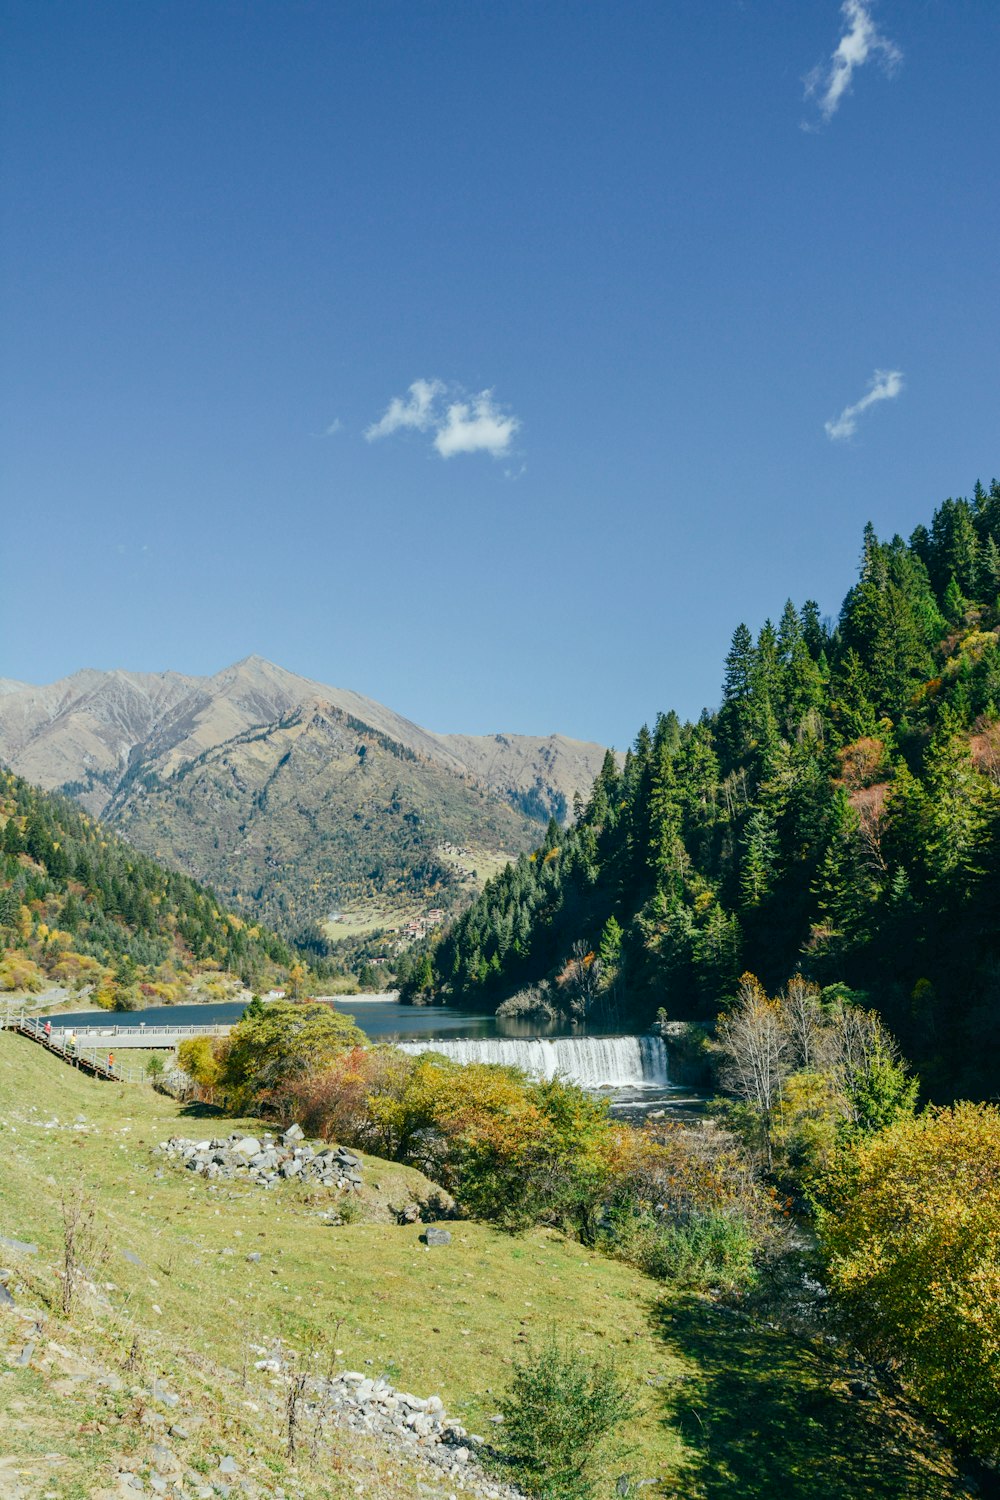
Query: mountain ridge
291	796
41	725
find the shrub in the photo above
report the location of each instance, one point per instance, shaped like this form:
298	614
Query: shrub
18	972
703	1252
336	1102
686	1207
561	1412
275	1045
199	1058
155	1068
512	1151
909	1222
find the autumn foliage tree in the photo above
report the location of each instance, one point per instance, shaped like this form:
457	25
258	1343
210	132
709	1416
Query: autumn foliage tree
909	1222
277	1044
804	1069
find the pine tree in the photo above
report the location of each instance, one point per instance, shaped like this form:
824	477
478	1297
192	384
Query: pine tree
852	706
813	631
734	718
760	856
954	603
665	848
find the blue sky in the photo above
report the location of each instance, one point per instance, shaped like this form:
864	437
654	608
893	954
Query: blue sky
622	269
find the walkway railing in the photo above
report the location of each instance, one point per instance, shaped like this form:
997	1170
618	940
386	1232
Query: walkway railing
87	1059
219	1029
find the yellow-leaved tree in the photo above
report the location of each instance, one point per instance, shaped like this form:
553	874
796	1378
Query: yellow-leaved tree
909	1221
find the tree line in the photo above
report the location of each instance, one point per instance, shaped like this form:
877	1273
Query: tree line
837	815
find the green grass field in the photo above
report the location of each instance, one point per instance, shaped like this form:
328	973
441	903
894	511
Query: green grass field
727	1410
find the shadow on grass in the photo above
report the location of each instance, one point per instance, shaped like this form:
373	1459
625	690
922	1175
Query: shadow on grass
766	1415
196	1110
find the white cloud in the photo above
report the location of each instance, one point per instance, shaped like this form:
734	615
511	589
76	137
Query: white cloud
332	428
415	410
466	424
475	426
885	385
861	41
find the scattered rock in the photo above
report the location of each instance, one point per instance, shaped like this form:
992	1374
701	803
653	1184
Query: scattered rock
418	1426
159	1393
436	1237
164	1460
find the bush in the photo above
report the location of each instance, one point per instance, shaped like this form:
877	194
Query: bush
336	1102
909	1223
685	1206
512	1151
198	1058
561	1412
702	1252
275	1045
18	972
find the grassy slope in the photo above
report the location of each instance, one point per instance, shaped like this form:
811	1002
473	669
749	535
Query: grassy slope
729	1411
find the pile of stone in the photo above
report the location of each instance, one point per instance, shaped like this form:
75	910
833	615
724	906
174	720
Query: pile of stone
266	1160
418	1424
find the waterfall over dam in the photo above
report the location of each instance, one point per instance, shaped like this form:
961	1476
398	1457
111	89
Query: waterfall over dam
591	1061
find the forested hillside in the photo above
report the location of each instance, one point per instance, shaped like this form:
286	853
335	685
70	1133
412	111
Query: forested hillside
80	907
838	815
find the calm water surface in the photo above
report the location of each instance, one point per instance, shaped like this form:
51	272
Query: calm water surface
378	1019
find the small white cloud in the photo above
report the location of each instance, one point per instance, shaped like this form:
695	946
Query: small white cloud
416	409
332	428
861	42
885	385
467	424
475	426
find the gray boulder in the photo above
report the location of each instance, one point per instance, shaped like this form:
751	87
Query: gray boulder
434	1236
22	1247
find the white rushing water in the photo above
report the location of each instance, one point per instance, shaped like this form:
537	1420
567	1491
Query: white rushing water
592	1061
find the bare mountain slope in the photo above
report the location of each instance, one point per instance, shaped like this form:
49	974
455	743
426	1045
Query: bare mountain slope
540	775
290	796
80	733
315	813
